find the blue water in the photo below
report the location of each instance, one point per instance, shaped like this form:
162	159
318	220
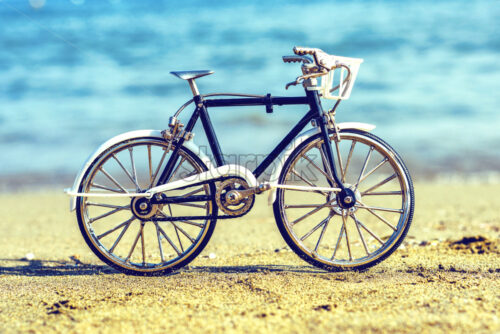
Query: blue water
75	73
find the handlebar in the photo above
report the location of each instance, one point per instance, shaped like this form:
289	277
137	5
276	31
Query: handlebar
319	65
321	58
299	50
295	59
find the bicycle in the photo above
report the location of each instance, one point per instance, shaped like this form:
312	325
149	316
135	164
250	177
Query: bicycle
334	212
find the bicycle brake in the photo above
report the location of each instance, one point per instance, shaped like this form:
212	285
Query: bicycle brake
294	83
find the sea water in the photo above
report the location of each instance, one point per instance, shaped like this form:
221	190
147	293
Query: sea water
75	73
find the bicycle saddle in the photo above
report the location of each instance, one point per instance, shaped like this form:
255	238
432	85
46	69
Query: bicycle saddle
187	75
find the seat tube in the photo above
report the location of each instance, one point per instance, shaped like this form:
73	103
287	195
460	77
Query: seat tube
172	161
209	131
315	104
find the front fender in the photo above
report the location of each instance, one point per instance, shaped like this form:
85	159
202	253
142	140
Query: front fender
189	144
280	161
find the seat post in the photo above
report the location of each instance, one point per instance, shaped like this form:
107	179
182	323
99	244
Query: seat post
193	86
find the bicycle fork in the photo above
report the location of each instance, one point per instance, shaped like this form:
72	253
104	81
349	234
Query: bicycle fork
346	197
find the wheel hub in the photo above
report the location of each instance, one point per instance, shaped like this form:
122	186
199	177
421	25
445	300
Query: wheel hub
346	200
142	208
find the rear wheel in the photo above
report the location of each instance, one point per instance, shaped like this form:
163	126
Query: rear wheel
318	229
139	243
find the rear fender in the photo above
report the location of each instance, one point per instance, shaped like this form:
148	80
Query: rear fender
189	144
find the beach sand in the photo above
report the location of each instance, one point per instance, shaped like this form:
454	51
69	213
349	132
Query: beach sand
445	277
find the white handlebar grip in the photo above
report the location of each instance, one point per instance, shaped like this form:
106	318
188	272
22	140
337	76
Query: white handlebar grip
299	50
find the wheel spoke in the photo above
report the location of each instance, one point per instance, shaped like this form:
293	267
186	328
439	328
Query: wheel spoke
378	216
383	193
150	165
346	236
158	167
170	210
159	241
339	158
360	234
308	182
192	223
364	167
183	232
315	228
317	167
124	169
113	180
341	234
373	170
349	159
379	209
379	184
104	205
196	191
115	228
134	172
99	186
91	220
316	192
322	233
301	206
179	239
311	212
185	221
143	246
165	236
121	235
370	232
176	169
326	165
134	244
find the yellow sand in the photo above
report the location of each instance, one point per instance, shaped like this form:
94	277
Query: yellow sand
430	284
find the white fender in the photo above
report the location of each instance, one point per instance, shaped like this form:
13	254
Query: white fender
126	136
280	161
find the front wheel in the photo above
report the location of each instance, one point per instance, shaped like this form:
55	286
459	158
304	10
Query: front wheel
143	244
323	233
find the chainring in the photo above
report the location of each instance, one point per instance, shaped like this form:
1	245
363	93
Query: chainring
238	209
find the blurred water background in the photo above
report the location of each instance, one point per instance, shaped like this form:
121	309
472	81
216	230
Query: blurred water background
75	73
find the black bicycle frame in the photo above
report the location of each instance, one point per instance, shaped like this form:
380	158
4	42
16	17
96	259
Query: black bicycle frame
315	113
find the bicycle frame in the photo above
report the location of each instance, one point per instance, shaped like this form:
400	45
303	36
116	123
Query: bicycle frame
226	191
201	112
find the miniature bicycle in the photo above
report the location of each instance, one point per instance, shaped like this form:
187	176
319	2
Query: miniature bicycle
342	197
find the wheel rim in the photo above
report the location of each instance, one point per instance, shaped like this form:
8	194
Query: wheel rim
145	244
354	237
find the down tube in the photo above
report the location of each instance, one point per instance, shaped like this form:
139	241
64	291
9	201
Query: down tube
283	144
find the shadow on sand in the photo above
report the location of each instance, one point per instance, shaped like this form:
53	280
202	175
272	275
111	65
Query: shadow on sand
254	269
24	267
